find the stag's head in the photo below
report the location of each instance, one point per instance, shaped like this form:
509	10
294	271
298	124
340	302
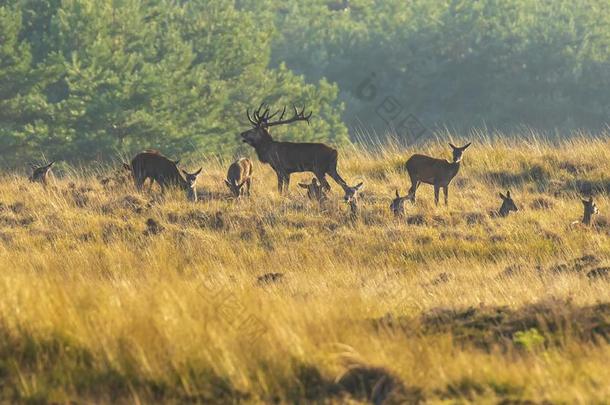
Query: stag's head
262	120
458	151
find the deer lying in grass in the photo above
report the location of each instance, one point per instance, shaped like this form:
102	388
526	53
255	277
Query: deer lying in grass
286	158
191	184
351	198
240	174
315	191
508	205
437	172
398	205
39	174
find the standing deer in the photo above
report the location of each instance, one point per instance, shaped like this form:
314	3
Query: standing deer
39	174
437	172
590	209
398	205
239	174
315	191
508	205
191	184
288	157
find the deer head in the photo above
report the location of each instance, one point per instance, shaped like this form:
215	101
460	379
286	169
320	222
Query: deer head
191	183
262	120
39	174
458	151
398	205
508	204
235	187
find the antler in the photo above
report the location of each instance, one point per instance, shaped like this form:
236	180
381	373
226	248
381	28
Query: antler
298	116
263	119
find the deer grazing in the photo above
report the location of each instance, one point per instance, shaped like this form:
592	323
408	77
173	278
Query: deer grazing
398	205
39	174
437	172
315	191
286	158
590	209
156	167
239	174
508	205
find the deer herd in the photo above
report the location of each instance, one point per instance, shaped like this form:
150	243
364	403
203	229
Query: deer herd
286	158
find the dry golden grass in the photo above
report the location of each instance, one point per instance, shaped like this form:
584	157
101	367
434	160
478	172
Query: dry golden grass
110	295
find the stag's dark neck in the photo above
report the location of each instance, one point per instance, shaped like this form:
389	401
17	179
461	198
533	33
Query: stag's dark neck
263	148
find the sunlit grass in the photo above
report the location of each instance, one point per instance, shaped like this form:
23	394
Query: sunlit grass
97	305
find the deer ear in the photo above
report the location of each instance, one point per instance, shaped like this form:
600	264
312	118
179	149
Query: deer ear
198	171
453	146
51	164
397	195
177	162
502	196
359	185
465	146
185	172
508	193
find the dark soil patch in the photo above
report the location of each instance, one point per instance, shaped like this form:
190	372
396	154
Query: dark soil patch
488	327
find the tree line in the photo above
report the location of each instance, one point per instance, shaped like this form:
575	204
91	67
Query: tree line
85	79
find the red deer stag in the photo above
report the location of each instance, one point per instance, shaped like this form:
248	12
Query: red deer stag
39	174
437	172
240	174
288	157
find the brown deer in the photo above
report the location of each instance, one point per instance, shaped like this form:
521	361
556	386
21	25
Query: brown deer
191	184
239	174
437	172
315	191
590	209
351	198
286	158
39	174
156	167
398	205
508	205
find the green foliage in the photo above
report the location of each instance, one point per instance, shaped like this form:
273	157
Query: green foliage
530	339
502	64
82	79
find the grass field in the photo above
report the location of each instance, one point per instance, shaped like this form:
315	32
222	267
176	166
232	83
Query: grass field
110	295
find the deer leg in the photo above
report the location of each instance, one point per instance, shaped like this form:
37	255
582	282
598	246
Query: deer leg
322	179
437	190
335	176
282	183
248	184
446	192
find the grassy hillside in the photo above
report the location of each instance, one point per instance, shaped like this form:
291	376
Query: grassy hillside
111	295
